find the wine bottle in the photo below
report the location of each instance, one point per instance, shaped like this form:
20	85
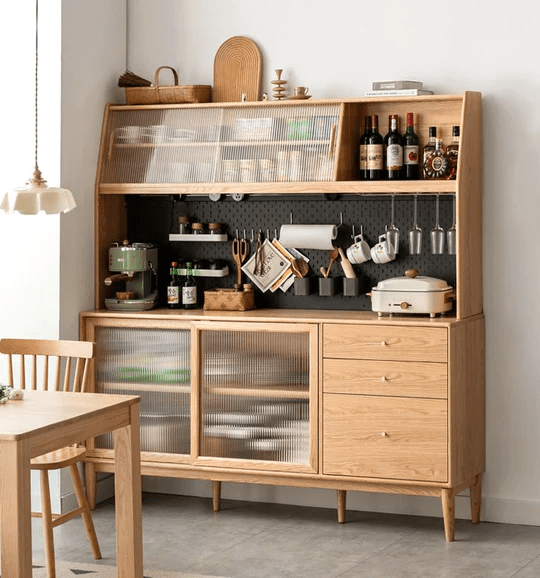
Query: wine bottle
375	146
189	289
363	149
438	165
452	151
428	149
173	289
393	150
410	150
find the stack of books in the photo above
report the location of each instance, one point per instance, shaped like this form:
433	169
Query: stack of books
398	88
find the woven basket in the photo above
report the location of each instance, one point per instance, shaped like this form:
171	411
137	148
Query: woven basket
229	300
174	94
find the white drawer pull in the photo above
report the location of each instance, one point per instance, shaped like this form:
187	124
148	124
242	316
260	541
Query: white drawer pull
384	343
384	378
384	434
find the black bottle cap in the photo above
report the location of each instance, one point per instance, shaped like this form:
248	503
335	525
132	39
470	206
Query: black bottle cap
432	131
455	131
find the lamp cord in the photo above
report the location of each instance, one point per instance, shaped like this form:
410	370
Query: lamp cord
36	93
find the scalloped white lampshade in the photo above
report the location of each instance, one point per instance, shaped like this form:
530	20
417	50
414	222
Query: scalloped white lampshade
36	196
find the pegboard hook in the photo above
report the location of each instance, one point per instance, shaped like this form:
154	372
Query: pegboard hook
340	219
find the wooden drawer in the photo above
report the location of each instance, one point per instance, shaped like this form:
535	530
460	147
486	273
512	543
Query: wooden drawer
385	342
385	437
395	378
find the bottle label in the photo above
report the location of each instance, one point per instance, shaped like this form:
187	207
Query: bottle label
189	295
363	157
394	157
410	154
375	157
437	166
173	295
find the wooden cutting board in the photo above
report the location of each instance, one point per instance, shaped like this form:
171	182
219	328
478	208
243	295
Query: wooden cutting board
237	70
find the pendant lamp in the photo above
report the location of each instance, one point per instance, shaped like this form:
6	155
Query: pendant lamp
36	196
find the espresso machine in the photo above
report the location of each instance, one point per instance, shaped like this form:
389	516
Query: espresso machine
136	265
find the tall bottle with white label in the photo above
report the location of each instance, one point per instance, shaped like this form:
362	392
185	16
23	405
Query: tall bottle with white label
375	146
173	289
410	151
393	150
189	289
363	148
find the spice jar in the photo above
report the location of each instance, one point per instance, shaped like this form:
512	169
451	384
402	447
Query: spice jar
183	225
197	228
214	228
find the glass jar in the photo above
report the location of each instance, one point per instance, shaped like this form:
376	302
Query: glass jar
197	228
215	228
183	225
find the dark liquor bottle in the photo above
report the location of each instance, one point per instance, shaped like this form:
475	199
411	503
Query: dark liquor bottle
438	165
452	151
375	146
429	148
363	149
393	150
189	289
173	289
410	151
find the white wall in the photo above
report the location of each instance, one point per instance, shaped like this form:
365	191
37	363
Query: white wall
337	49
93	56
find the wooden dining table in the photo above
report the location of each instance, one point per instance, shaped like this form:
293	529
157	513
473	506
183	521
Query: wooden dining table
45	421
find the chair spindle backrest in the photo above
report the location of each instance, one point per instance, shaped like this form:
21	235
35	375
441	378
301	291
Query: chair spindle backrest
57	359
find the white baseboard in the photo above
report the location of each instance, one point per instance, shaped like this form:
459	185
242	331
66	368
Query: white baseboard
493	509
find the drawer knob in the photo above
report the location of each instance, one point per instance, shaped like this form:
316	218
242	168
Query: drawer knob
384	378
384	343
384	434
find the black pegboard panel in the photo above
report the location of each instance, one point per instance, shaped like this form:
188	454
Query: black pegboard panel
152	218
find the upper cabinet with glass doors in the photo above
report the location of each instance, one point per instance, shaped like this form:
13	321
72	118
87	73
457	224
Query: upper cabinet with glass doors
270	147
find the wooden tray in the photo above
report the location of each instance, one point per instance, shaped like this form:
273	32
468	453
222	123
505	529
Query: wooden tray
237	71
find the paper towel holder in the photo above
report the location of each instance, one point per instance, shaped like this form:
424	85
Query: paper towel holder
340	219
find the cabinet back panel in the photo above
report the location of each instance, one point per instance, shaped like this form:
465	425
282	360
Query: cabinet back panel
153	218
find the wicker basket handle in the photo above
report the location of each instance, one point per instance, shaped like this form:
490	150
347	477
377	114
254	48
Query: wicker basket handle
156	75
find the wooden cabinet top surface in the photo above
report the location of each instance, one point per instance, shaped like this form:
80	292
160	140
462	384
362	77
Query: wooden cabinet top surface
278	316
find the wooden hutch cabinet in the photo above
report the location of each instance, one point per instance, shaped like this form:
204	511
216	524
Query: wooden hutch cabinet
343	400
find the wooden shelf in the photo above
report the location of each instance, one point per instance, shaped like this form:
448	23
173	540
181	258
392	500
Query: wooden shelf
285	392
134	387
419	187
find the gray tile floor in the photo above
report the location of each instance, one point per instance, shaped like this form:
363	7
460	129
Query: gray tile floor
252	540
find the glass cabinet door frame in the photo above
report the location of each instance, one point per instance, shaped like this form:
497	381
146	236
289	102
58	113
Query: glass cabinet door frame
311	329
89	333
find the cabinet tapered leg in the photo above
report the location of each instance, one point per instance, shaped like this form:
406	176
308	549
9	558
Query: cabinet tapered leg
341	506
449	513
476	499
216	496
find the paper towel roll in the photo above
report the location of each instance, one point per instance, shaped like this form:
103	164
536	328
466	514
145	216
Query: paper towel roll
308	236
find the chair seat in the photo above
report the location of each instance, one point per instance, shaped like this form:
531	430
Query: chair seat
59	458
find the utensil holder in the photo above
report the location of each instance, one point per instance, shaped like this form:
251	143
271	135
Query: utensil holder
302	286
327	286
351	287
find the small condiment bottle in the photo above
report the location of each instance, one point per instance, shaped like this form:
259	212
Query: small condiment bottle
183	225
214	228
197	228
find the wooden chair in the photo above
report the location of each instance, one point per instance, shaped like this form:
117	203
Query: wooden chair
51	365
